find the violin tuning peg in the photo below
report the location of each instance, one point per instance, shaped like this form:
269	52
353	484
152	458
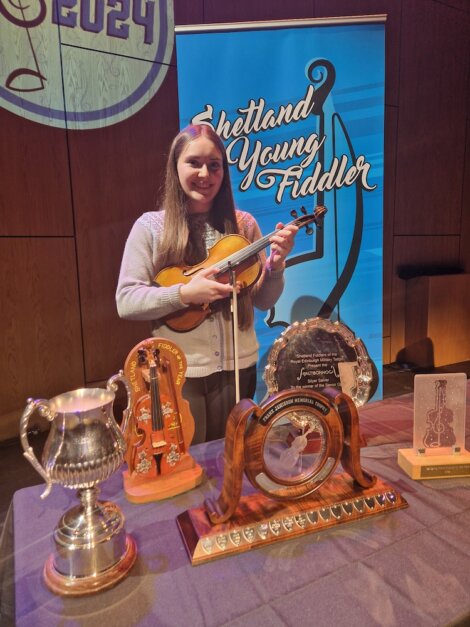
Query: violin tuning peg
303	210
308	230
294	213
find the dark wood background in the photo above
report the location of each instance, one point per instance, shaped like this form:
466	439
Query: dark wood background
69	198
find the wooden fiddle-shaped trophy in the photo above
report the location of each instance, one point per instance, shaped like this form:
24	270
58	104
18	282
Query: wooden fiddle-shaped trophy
289	448
161	426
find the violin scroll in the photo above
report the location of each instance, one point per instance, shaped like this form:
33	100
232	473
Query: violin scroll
306	219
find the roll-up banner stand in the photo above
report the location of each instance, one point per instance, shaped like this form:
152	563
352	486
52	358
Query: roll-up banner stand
300	107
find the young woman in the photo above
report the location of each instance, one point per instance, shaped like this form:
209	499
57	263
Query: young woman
198	208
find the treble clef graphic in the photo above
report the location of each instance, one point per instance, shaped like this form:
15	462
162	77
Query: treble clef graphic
322	74
326	79
27	24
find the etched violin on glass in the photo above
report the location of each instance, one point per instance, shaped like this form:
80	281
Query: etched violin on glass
160	427
439	431
439	410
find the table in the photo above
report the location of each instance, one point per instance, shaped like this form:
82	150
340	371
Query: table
409	567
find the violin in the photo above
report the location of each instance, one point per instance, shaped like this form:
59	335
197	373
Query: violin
161	426
231	253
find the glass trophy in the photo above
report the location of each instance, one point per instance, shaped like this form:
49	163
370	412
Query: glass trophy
438	428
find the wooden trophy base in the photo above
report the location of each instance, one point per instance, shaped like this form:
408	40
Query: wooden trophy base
162	487
259	521
434	466
70	585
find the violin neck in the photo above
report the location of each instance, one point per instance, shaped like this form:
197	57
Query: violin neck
256	247
440	395
242	255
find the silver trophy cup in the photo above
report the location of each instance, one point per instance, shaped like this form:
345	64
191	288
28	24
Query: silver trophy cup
85	446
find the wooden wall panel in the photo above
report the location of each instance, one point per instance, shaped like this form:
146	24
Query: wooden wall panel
40	342
390	144
35	194
415	251
433	82
465	223
392	8
116	174
189	11
462	5
248	10
448	316
436	320
387	359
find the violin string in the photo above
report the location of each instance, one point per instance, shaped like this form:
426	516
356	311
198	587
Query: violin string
254	248
240	256
157	421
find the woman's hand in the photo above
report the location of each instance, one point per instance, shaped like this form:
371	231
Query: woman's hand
202	289
282	243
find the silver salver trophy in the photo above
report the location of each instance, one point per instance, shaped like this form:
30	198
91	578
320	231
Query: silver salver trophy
85	446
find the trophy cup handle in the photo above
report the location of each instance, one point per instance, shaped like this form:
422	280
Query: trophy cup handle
112	386
44	409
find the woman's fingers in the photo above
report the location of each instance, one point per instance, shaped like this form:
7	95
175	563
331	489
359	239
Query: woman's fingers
282	243
203	289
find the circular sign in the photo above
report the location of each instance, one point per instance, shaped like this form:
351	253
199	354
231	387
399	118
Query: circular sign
294	447
293	444
82	64
316	354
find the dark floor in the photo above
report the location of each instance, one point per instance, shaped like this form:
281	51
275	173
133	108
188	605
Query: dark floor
16	472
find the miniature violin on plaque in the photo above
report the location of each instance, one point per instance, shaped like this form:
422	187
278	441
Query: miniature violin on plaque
161	427
159	441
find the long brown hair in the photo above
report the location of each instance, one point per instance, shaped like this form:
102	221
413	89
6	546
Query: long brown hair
176	246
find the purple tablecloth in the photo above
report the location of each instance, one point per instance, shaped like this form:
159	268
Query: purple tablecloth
409	567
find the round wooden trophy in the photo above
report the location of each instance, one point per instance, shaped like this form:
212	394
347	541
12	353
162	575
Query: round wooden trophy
289	447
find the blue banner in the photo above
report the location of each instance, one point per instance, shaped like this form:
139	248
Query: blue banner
301	112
